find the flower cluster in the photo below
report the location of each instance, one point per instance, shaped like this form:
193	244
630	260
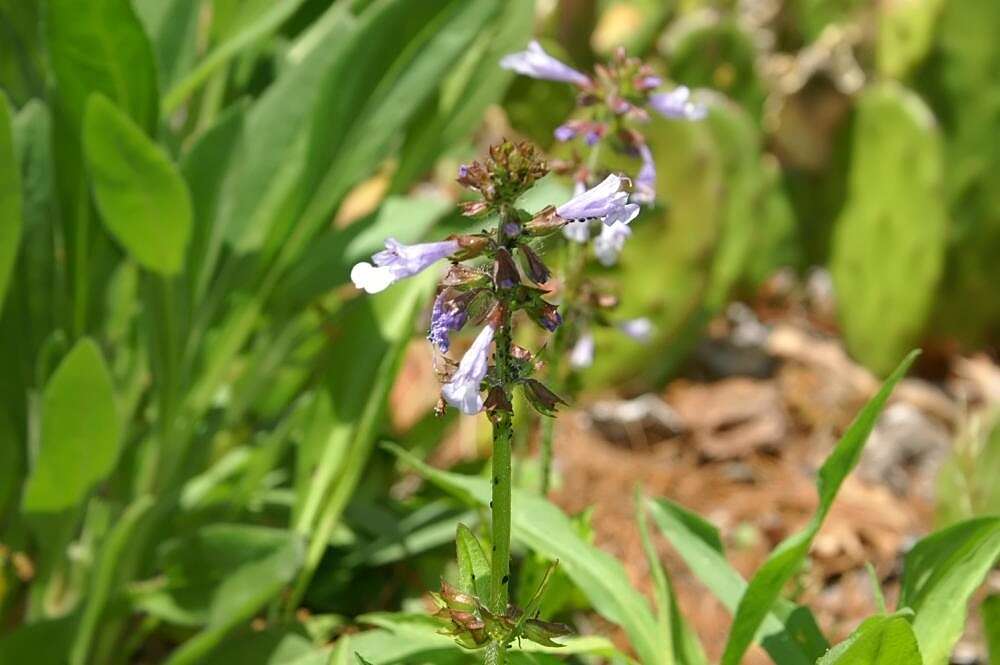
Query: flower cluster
494	275
613	103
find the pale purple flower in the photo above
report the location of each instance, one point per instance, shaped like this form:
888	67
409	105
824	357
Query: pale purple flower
536	63
565	132
677	104
582	354
398	261
640	329
608	245
463	390
645	181
448	313
577	231
606	202
649	82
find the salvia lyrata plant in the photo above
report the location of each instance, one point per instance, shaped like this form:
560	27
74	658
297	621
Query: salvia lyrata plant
494	278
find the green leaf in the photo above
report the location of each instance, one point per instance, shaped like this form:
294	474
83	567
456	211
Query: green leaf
248	35
940	573
244	591
991	626
473	564
406	48
788	557
463	96
98	46
274	646
141	196
40	643
905	35
103	581
879	640
348	412
788	632
173	29
542	527
81	432
893	228
10	197
679	642
196	567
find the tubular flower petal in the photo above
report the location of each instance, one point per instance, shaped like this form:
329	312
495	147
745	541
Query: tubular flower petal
606	202
536	63
462	391
645	181
640	329
582	354
608	245
677	104
398	261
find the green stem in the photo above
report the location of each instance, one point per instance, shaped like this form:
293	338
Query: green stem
503	435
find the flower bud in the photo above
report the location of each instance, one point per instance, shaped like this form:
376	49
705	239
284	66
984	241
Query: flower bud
462	275
544	314
542	632
536	270
497	402
505	274
470	245
543	400
473	208
544	222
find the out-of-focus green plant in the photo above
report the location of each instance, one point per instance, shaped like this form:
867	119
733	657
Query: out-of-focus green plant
189	403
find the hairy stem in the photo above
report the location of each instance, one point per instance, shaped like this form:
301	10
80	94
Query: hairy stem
503	436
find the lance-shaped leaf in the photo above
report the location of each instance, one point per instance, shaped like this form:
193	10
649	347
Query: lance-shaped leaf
879	640
789	556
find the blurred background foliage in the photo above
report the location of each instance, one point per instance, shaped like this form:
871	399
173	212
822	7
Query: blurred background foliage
192	397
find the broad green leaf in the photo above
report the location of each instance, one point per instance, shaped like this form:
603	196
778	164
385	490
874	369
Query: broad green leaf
140	194
98	46
81	432
41	643
10	197
940	573
879	640
893	229
473	564
788	633
788	557
103	581
241	595
542	527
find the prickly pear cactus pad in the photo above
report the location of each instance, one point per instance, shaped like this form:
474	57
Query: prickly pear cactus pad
888	245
